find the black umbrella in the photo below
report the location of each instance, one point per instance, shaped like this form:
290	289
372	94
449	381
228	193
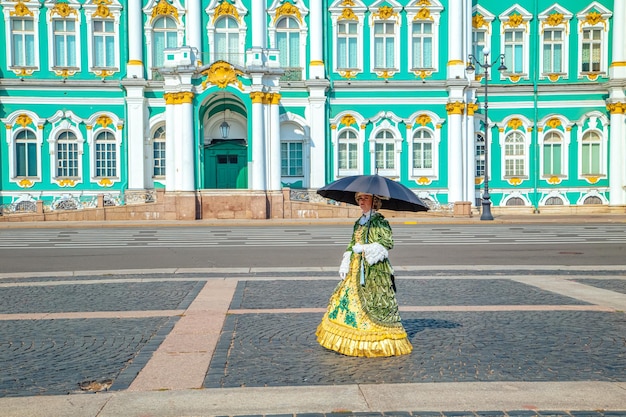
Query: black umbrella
394	195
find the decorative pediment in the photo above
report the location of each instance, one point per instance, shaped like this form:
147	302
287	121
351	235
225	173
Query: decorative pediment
555	16
515	17
594	15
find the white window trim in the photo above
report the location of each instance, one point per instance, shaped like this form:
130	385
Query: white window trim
598	122
505	18
424	14
397	141
396	19
301	123
304	31
115	10
8	8
566	137
155	123
504	130
337	15
211	29
92	134
359	146
604	25
424	172
149	29
51	15
62	121
11	132
336	127
564	25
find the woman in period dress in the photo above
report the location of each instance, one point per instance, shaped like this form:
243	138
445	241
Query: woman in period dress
362	317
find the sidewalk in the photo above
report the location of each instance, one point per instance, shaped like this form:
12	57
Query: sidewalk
486	344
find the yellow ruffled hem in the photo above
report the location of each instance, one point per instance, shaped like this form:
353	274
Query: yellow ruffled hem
352	342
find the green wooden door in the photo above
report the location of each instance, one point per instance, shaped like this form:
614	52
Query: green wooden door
226	165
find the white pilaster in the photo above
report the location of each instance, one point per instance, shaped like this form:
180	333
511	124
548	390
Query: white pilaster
456	60
618	66
135	66
259	25
617	152
187	145
257	142
136	105
316	36
455	151
194	26
170	146
274	183
317	117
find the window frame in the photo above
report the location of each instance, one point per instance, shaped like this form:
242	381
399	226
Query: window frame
523	158
58	141
347	171
546	140
391	138
94	14
96	153
160	139
595	17
10	14
515	20
354	13
36	151
419	14
601	150
54	15
285	170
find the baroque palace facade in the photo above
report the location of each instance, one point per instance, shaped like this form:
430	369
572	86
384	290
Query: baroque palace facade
219	106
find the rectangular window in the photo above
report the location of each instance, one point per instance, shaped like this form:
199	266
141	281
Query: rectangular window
422	45
514	51
422	155
591	159
291	159
478	44
552	159
106	160
23	43
384	45
347	45
553	51
64	43
348	155
104	44
67	159
591	50
159	158
384	154
26	159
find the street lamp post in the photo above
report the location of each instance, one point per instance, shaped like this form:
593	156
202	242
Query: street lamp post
486	65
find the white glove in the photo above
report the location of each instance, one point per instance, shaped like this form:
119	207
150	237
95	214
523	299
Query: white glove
357	248
345	265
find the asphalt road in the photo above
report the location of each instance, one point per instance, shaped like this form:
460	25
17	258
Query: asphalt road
149	247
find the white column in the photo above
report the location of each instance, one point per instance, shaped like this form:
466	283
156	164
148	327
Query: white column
259	25
170	146
455	153
137	161
456	60
617	153
469	193
618	66
257	142
194	26
316	36
187	144
274	183
317	149
134	67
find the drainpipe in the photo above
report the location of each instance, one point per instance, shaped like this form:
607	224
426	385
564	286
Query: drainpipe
535	135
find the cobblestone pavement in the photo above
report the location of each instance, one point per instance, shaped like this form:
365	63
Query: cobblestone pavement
65	335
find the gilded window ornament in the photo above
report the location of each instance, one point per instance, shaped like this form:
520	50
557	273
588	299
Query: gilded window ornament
104	120
348	14
63	10
347	3
288	9
423	181
226	9
221	74
347	74
23	120
164	9
423	119
514	123
348	120
593	18
553	123
422	73
385	13
424	3
102	10
478	21
423	14
105	182
385	74
515	20
66	182
554	180
25	183
554	19
515	181
21	9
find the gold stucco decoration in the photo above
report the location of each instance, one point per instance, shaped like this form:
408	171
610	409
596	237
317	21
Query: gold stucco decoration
179	97
221	74
554	77
288	9
593	18
423	119
385	74
514	77
226	9
554	19
164	9
348	120
105	182
616	108
348	14
457	107
385	13
348	3
104	120
257	97
514	123
554	180
347	74
478	21
423	14
23	120
424	181
66	182
103	9
63	10
422	73
424	3
21	10
553	123
515	181
25	183
515	20
471	108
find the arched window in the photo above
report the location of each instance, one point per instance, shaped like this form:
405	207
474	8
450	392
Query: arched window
384	151
515	201
422	150
592	200
591	153
165	36
26	163
106	155
288	42
554	201
552	154
158	152
227	40
480	155
348	151
514	155
67	155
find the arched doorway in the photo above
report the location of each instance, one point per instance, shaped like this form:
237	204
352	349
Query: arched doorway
225	143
